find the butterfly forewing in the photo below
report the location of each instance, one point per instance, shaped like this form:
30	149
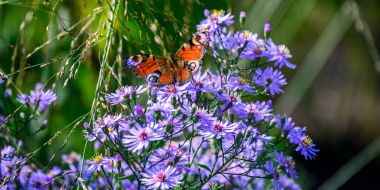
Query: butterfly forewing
143	65
191	52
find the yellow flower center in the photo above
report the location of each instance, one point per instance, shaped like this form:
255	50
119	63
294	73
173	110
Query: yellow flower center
284	50
98	158
217	12
246	34
306	141
242	81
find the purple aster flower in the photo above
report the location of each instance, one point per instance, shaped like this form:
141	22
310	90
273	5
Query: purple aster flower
287	162
256	134
165	108
255	144
202	82
171	91
270	168
216	81
158	111
140	137
271	79
249	36
96	163
233	42
125	124
6	165
23	178
7	151
107	122
287	183
124	92
305	143
97	132
158	178
23	98
41	180
284	123
236	82
171	156
218	129
177	155
38	98
112	164
279	54
173	125
254	110
215	20
200	114
238	40
232	100
50	175
255	49
38	180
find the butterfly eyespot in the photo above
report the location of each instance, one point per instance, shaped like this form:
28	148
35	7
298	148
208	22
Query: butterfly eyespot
192	65
133	61
153	78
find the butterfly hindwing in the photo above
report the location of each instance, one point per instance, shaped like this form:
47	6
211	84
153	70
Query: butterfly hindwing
168	72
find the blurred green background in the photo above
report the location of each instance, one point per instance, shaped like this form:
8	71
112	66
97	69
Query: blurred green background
334	90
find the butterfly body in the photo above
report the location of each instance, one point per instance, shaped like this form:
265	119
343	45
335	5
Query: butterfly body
178	68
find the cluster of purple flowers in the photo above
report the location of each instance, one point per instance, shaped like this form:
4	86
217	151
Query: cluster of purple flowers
205	134
16	173
38	99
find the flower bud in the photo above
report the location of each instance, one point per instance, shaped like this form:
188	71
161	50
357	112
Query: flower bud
267	28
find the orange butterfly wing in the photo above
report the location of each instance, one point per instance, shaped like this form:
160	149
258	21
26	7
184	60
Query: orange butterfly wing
167	71
143	65
166	78
189	52
183	75
189	56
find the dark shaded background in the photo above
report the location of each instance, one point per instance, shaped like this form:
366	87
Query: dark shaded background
334	91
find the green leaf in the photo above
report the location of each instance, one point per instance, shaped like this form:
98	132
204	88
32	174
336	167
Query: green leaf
204	167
